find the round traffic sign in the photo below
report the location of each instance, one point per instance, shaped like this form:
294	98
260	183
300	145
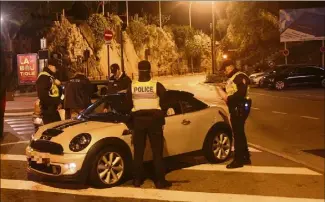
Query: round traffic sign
271	63
286	52
108	35
322	49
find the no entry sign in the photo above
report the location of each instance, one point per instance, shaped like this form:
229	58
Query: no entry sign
322	49
271	63
108	35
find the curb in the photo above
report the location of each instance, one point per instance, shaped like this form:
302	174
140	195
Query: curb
317	169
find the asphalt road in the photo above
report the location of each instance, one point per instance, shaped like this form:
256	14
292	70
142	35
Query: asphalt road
285	123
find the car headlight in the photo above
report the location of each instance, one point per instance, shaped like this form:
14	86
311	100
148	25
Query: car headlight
80	142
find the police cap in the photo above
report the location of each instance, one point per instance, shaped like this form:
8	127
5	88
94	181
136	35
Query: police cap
144	65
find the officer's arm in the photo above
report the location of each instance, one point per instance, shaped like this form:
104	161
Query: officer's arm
242	85
161	90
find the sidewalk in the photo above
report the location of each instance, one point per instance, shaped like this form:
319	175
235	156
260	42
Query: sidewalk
20	106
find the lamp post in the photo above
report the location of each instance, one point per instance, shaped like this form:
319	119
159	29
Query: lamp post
213	39
160	24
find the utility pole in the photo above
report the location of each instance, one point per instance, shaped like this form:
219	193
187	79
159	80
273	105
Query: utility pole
127	12
213	39
160	24
190	19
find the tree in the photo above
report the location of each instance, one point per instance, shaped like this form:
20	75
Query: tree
98	24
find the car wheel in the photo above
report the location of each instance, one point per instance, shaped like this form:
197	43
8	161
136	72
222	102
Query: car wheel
279	85
109	168
260	83
217	146
323	83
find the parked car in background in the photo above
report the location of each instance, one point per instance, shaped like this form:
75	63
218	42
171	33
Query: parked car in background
255	78
97	146
100	89
296	75
258	78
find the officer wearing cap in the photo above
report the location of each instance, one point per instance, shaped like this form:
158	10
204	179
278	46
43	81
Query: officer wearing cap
119	81
49	93
239	104
148	120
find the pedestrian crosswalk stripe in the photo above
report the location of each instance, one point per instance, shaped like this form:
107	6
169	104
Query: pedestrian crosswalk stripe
29	128
21	125
216	167
12	143
19	119
19	122
251	149
25	132
13	157
255	169
149	194
11	114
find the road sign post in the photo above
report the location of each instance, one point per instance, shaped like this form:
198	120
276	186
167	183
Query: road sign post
285	53
108	36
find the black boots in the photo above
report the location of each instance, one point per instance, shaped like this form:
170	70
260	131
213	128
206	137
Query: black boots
238	163
161	184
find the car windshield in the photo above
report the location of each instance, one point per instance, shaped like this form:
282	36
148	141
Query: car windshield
115	104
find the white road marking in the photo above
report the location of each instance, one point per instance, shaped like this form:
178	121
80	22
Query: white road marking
18	114
12	143
251	149
149	194
255	108
255	169
18	122
309	117
19	119
276	112
26	132
31	128
13	157
21	125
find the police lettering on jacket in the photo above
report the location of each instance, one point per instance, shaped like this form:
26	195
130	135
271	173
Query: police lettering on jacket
144	95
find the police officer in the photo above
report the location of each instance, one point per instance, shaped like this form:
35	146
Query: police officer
78	93
239	105
48	94
119	81
148	120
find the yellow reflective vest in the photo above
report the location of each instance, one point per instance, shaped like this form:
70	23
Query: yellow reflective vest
144	95
54	91
231	87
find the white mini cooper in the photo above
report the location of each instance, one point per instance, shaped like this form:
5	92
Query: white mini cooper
97	146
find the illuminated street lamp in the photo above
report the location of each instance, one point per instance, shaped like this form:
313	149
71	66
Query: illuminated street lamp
225	56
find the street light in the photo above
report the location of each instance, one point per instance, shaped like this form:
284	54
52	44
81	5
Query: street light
225	56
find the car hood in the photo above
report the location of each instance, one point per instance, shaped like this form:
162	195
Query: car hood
256	74
64	131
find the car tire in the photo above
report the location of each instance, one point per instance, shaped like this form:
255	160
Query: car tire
103	174
280	85
217	146
260	83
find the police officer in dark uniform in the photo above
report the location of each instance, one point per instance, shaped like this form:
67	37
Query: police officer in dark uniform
78	91
239	105
148	120
119	81
49	94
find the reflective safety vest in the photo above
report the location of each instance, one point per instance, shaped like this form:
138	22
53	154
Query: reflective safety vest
231	87
144	95
54	91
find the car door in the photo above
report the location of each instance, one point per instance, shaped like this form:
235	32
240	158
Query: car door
316	74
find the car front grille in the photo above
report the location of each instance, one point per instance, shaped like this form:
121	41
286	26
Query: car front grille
46	146
45	168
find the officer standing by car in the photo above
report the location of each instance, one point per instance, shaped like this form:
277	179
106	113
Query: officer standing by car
148	120
239	105
48	93
119	81
78	91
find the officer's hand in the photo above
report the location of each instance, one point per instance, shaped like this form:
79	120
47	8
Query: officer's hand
57	82
105	110
60	106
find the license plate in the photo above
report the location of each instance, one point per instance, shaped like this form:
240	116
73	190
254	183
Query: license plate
40	158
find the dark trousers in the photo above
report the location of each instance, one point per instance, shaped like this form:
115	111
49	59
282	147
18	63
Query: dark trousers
238	117
50	115
156	138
